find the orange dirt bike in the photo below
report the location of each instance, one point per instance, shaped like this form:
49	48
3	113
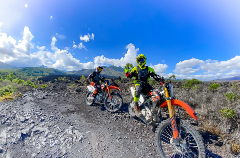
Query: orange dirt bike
173	137
112	101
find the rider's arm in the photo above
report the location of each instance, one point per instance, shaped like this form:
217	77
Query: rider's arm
102	78
154	75
132	73
89	77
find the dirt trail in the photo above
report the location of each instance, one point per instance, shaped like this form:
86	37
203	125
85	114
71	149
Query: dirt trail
58	123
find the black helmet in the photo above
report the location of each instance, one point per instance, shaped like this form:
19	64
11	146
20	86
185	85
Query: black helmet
99	69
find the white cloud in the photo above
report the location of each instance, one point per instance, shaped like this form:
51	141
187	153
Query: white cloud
80	46
18	54
185	67
92	36
222	66
60	36
51	17
1	23
26	5
74	45
159	68
212	69
87	37
129	57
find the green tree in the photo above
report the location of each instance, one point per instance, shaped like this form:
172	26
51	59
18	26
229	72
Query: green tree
172	77
129	65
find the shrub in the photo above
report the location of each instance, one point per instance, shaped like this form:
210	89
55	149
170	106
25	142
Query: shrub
214	86
228	113
10	77
28	83
118	81
82	78
18	95
61	78
72	85
7	90
44	86
55	80
234	86
230	96
190	83
18	81
195	87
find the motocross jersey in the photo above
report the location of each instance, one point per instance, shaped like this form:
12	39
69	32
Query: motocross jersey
142	74
96	77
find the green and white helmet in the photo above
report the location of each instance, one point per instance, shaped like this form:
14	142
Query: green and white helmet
141	60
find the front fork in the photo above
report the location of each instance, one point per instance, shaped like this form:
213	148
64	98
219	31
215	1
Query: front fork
109	91
172	115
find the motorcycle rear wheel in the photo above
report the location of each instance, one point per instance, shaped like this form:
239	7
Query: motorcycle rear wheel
88	100
115	103
191	142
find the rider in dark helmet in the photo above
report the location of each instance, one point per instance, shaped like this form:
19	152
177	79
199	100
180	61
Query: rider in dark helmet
96	77
141	74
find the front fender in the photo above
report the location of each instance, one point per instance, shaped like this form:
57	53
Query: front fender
182	104
112	87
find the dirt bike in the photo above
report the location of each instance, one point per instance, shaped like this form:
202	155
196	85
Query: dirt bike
173	137
112	101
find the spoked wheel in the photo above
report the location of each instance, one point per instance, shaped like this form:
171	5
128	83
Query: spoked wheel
191	143
113	104
89	101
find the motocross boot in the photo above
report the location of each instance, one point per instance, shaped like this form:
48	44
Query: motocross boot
154	112
92	97
137	109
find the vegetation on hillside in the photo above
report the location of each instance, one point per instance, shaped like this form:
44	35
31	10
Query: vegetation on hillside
191	83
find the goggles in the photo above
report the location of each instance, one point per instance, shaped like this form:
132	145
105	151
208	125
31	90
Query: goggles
141	60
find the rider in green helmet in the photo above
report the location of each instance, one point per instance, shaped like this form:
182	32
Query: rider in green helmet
141	74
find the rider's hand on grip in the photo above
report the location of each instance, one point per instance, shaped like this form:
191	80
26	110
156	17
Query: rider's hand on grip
127	70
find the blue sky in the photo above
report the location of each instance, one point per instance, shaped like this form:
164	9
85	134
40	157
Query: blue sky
191	39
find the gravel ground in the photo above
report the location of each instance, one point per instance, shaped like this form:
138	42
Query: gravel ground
56	122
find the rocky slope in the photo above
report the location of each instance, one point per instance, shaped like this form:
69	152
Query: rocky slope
56	122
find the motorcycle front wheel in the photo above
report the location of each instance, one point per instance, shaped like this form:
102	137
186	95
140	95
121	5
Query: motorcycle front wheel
115	103
88	100
191	143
